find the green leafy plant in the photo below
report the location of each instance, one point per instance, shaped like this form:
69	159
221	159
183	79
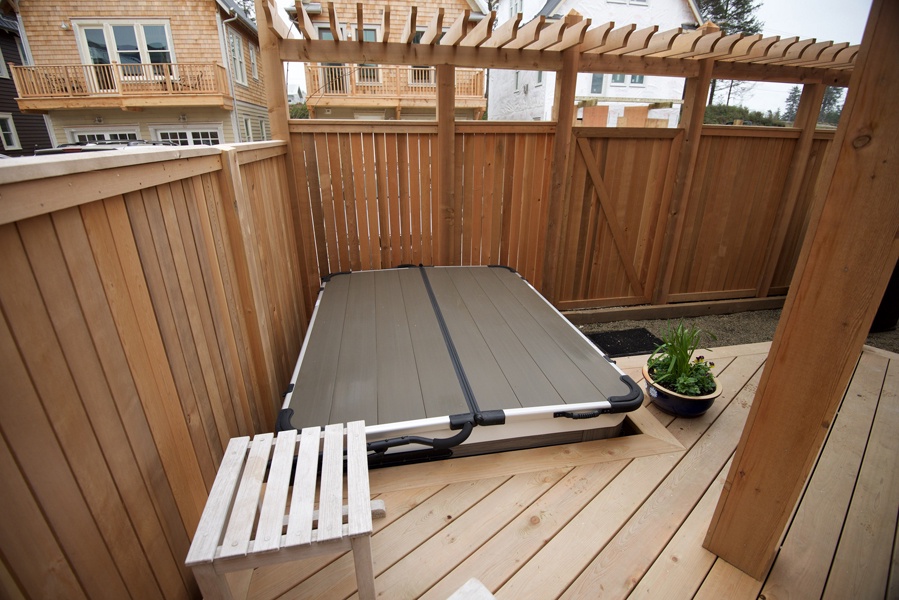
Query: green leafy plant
672	365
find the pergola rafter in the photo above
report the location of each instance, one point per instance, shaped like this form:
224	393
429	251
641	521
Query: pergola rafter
604	48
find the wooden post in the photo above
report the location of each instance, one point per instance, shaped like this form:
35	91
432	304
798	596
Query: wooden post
557	211
276	99
446	157
807	119
846	261
275	85
695	93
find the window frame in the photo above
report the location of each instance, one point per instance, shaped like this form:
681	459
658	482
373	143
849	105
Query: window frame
4	70
16	141
262	133
248	129
601	77
363	70
72	133
238	58
157	132
79	25
254	62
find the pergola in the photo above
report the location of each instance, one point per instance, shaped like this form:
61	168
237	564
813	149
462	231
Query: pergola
852	242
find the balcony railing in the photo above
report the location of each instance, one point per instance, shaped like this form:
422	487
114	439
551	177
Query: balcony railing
375	81
61	82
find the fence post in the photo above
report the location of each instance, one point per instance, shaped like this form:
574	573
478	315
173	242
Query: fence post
695	93
275	87
240	226
446	156
557	212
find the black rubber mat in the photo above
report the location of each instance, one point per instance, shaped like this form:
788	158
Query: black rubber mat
626	342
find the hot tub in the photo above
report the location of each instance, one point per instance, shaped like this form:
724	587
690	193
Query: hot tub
451	361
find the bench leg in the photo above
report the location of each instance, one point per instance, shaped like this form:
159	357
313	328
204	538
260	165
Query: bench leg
365	569
212	585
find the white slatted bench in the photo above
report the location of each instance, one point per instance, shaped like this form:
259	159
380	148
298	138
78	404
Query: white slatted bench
253	485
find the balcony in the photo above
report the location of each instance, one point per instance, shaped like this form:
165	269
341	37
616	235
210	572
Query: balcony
375	85
128	87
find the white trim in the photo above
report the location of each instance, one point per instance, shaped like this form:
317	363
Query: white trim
247	129
4	71
157	129
106	24
238	59
262	132
254	62
16	143
72	133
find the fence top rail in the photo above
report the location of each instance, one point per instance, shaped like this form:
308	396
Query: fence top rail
400	126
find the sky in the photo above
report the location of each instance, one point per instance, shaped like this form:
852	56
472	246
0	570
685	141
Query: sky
834	20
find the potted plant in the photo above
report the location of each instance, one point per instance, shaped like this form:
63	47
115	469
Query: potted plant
675	381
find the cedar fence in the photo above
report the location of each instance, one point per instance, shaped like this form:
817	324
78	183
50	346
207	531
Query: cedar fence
369	198
154	302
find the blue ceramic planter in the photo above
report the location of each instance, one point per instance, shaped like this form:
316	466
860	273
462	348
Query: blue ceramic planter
678	404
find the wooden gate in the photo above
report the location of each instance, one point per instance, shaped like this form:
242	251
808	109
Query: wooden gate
621	183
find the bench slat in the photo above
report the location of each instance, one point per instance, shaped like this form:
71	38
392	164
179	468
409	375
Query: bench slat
299	524
274	505
212	522
240	526
358	496
330	503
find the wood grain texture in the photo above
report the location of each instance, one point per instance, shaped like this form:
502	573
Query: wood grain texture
763	486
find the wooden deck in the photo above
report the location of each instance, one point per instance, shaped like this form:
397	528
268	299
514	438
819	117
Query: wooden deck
627	518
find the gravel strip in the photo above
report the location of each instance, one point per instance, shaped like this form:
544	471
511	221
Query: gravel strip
739	328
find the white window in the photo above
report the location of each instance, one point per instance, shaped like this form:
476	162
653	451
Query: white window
517	80
254	66
539	78
368	72
189	137
248	129
596	83
8	133
262	134
238	64
620	79
105	137
101	134
4	72
127	43
515	8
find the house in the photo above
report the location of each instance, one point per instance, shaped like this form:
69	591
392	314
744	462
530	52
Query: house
528	95
20	134
183	72
336	90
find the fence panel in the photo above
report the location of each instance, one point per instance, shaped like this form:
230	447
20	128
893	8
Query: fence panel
730	216
789	254
138	334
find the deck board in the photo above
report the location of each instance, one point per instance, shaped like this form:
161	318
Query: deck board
543	522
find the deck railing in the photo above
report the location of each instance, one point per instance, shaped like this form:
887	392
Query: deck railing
79	81
376	81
